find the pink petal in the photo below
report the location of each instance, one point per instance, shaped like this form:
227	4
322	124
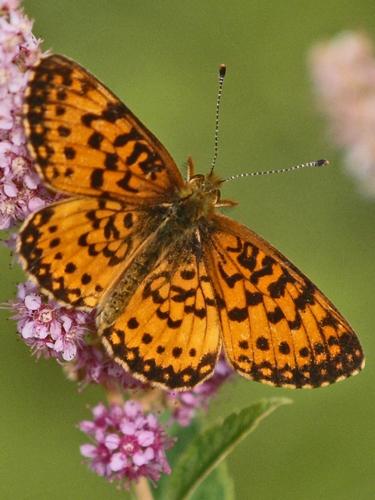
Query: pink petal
149	454
99	411
87	426
188	398
55	329
33	302
69	352
66	322
10	189
127	428
112	441
41	332
145	438
27	330
152	421
139	458
132	409
118	462
35	204
31	181
88	450
100	468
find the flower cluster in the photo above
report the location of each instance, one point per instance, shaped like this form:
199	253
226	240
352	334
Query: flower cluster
127	443
343	71
93	366
49	329
20	190
53	331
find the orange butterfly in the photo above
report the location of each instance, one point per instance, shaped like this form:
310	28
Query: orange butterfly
173	281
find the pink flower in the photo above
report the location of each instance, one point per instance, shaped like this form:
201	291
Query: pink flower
126	443
20	189
49	329
185	405
343	72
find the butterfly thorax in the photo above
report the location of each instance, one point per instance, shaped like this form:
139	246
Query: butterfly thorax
173	235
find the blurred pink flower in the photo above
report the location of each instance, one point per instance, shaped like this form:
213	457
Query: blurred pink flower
20	190
126	443
343	72
185	405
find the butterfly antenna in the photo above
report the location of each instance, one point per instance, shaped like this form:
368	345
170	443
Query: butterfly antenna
310	164
222	71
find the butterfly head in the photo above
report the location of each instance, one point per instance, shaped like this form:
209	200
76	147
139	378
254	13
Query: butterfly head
205	183
200	195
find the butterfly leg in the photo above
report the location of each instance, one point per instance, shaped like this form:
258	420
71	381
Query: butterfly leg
225	203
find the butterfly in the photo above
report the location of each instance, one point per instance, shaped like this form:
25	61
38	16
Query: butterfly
173	281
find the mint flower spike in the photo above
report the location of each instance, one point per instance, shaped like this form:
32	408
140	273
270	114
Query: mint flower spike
343	74
127	444
20	189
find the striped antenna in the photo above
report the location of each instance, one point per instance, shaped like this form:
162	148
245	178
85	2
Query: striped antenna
310	164
222	71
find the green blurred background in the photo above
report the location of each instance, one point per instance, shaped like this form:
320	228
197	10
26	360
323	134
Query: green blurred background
162	59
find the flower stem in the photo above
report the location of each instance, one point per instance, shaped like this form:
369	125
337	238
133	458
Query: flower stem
115	396
152	399
142	489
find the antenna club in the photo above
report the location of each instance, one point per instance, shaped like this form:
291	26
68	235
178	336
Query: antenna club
222	70
322	163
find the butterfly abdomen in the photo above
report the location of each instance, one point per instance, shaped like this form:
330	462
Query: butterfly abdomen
174	240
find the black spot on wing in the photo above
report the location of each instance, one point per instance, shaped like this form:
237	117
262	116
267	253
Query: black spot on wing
265	270
155	372
230	279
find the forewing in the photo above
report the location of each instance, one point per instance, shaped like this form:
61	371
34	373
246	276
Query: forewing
168	333
76	248
86	142
278	328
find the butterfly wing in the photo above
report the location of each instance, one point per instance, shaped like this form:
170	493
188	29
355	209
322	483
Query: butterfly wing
168	333
278	328
76	248
86	142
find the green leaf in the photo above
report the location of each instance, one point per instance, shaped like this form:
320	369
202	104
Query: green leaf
218	485
184	436
211	447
